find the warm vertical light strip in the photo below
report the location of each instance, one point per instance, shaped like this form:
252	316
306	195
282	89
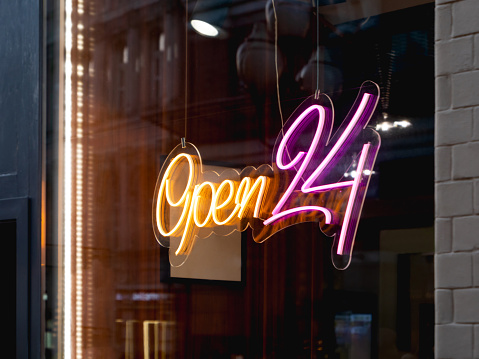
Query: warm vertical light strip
78	160
67	205
73	196
89	195
78	236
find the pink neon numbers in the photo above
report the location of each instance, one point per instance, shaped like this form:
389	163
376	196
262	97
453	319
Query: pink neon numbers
321	166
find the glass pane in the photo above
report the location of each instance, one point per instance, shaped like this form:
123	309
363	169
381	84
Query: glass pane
134	78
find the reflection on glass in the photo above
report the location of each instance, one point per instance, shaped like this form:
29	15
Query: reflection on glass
204	28
135	78
353	334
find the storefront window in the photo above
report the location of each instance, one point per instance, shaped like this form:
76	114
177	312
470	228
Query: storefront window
133	79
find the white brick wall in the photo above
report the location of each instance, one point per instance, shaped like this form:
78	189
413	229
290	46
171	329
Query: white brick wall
457	179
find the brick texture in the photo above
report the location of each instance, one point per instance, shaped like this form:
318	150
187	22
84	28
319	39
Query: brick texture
444	18
454	199
456	56
444	301
475	264
465	87
442	163
454	341
466	305
467	12
465	160
443	93
453	270
457	179
443	229
465	232
476	341
453	127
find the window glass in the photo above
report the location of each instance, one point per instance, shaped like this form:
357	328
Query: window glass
133	79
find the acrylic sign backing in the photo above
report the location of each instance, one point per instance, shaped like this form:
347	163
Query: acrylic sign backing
306	182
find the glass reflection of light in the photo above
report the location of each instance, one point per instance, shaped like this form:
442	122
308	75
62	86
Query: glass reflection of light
73	191
403	123
78	237
343	237
204	28
354	173
190	199
68	183
386	125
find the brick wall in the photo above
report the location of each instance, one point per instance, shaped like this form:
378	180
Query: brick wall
457	179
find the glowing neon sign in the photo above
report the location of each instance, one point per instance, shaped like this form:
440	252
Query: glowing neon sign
305	182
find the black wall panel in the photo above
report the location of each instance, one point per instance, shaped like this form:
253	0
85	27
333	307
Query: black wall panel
21	104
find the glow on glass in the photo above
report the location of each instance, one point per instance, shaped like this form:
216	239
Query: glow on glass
352	199
184	200
167	180
243	187
225	184
384	126
197	197
357	116
402	123
227	201
185	238
292	129
283	145
247	192
306	187
327	213
194	195
250	195
328	187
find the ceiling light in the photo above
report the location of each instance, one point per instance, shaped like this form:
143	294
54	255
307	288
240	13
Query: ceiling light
203	28
210	18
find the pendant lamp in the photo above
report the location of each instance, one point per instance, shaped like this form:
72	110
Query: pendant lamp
255	61
210	18
330	76
293	17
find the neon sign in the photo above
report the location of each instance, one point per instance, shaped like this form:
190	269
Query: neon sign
306	182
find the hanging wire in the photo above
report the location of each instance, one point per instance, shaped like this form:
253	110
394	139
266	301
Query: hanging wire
276	63
186	74
317	92
277	75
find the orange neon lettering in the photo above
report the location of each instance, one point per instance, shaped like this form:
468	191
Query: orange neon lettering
204	204
196	200
225	184
187	233
184	200
247	192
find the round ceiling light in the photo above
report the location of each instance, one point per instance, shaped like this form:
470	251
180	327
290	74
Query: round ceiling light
203	28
